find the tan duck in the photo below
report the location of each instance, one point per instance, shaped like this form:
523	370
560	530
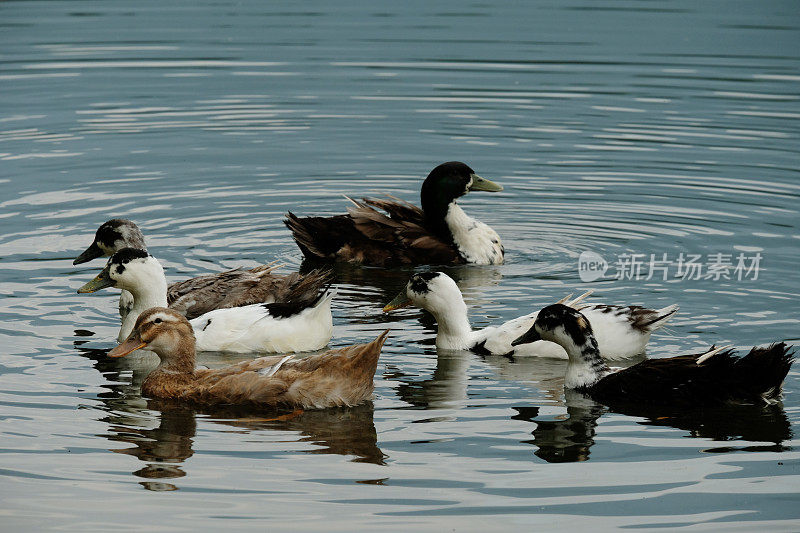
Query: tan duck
342	377
392	232
197	296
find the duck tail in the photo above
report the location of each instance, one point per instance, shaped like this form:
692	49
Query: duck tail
658	318
319	238
364	356
761	372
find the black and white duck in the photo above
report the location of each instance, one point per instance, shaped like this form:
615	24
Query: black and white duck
196	296
715	376
623	331
393	232
303	325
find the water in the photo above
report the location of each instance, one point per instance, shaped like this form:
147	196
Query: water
617	127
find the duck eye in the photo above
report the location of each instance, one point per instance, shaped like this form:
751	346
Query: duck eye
157	321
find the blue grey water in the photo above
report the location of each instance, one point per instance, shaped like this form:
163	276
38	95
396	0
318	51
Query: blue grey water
620	127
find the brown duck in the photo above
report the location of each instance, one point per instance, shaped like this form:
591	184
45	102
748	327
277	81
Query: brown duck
342	377
197	296
392	232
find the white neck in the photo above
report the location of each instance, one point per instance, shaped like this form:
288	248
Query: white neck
454	331
149	289
476	242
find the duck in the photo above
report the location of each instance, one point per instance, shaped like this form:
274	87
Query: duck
335	378
303	324
381	232
623	331
713	377
196	296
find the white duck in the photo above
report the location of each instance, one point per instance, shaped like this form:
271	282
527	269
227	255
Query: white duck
271	328
621	331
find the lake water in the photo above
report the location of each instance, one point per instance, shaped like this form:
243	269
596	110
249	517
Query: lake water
620	127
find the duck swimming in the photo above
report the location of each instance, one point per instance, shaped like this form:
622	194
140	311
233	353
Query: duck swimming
439	233
196	296
301	325
712	377
342	377
623	331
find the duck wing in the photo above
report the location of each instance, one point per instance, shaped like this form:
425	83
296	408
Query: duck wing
375	232
240	287
334	378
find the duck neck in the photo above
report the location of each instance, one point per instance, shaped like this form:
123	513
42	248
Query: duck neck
454	331
585	367
436	208
181	360
153	293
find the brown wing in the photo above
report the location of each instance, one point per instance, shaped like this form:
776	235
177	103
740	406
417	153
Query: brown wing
374	232
333	378
238	287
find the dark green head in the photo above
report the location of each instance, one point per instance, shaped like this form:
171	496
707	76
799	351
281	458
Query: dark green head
446	183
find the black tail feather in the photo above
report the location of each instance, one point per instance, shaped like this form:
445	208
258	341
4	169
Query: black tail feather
761	372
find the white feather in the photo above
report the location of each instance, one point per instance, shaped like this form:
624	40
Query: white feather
243	329
252	329
616	336
477	242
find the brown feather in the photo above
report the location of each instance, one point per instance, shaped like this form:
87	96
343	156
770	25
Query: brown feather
376	232
341	377
238	287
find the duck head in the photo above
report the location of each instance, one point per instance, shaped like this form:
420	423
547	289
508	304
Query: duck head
448	182
433	291
163	331
112	236
560	324
129	269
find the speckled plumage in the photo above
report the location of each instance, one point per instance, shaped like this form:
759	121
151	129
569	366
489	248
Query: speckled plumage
715	376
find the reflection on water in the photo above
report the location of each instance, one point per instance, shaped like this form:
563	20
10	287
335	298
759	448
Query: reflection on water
165	448
569	437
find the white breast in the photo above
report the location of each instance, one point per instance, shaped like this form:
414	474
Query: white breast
476	242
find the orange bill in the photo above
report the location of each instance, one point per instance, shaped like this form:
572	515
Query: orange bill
131	344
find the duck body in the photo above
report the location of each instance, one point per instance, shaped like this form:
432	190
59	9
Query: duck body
196	296
623	331
716	376
302	325
392	232
342	377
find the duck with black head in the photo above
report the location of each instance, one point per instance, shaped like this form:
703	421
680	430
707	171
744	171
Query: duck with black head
393	232
715	376
301	325
196	296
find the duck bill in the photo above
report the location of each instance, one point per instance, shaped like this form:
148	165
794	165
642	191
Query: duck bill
482	184
131	344
401	300
529	336
92	252
101	281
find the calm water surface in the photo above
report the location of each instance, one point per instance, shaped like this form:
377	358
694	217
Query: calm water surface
618	127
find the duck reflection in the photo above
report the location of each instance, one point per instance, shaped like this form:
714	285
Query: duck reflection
568	438
445	388
162	432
